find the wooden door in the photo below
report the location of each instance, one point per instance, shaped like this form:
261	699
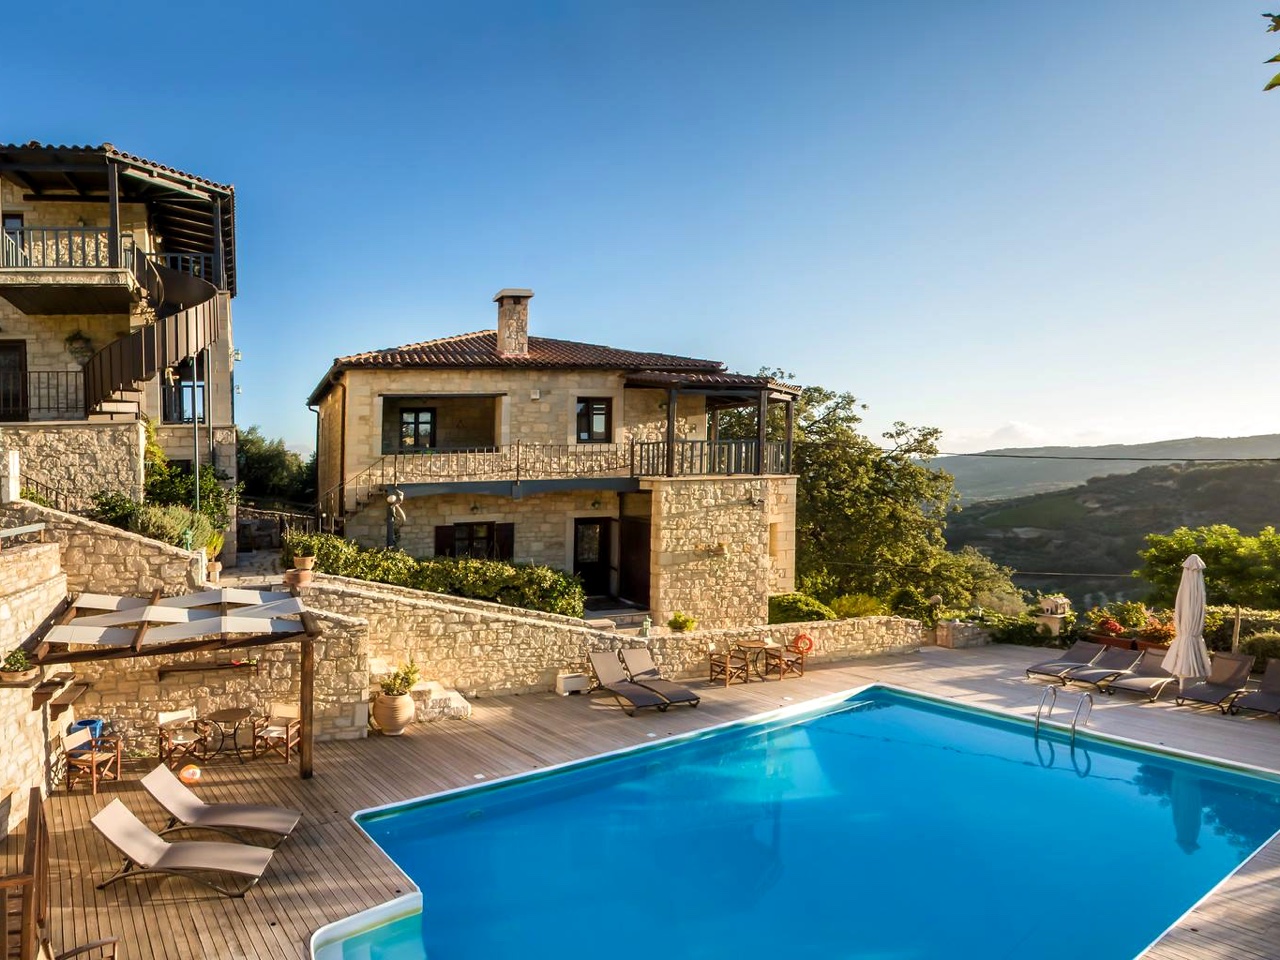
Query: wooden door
633	560
591	554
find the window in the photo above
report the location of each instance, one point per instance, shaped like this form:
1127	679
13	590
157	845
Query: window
595	420
182	393
480	541
417	428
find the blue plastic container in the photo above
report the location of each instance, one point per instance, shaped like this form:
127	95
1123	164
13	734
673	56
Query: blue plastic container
92	724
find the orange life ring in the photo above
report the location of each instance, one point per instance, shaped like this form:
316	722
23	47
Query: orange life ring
803	643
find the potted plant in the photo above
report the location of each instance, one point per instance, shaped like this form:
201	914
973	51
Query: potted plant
17	667
1157	634
1111	633
304	556
393	709
212	550
680	622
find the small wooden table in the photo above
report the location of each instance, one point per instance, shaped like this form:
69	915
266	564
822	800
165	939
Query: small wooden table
234	717
753	651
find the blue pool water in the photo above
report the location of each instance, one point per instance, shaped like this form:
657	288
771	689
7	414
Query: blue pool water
888	827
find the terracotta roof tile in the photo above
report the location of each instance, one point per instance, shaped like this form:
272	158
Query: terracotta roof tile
480	349
110	150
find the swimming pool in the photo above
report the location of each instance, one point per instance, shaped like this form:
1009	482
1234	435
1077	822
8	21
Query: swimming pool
886	826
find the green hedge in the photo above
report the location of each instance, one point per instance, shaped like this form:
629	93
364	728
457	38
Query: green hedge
798	608
524	585
1264	646
1022	630
1220	621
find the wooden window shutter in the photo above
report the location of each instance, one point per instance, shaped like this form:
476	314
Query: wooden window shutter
504	540
444	541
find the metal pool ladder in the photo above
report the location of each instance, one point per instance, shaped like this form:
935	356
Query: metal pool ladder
1050	696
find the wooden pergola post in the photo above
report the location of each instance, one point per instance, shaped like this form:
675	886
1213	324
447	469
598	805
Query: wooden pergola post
762	428
671	431
113	215
791	432
307	693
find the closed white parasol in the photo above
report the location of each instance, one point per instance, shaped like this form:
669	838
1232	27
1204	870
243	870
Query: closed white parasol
1188	657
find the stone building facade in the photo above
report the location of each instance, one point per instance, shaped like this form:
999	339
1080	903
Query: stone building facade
116	280
611	464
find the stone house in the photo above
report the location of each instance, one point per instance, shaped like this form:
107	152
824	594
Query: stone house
604	462
116	280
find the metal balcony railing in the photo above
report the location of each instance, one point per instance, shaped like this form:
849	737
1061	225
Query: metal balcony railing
41	395
56	248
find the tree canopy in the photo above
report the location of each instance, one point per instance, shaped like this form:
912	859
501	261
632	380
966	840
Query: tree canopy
1239	569
871	515
269	470
1273	28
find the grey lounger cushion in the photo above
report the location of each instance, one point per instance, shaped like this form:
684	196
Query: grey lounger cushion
613	678
145	852
1228	675
1080	653
186	808
1110	664
1147	676
1266	699
639	663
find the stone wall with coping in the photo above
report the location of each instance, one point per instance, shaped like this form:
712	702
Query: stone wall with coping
102	559
129	693
31	587
80	459
957	634
487	649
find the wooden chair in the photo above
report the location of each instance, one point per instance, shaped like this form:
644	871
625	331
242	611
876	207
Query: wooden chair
279	731
182	735
97	758
727	664
784	661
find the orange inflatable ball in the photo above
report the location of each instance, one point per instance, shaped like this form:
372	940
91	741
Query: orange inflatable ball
190	774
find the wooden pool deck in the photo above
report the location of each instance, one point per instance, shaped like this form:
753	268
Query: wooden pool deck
329	870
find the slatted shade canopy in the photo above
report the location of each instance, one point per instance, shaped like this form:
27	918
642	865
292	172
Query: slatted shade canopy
98	626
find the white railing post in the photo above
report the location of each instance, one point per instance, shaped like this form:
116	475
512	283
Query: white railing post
12	487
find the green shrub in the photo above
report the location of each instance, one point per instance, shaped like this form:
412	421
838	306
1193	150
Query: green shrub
858	605
173	524
911	603
680	622
113	508
1022	630
29	494
402	681
797	608
526	585
16	661
1219	622
1264	645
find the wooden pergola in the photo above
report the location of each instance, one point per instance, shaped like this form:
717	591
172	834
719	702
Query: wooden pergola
103	627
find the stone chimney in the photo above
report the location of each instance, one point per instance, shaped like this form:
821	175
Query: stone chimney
513	322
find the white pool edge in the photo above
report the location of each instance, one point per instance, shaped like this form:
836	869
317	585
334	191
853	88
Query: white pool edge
326	942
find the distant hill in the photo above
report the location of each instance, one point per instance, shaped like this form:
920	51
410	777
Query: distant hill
998	478
1099	527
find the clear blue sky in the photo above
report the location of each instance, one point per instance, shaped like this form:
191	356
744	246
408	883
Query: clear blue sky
1018	221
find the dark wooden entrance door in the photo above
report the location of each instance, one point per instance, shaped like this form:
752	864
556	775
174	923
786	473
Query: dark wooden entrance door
13	380
591	554
633	560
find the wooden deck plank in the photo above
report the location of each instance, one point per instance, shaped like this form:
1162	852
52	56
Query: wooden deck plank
329	869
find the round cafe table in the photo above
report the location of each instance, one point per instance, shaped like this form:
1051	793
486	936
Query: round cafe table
232	717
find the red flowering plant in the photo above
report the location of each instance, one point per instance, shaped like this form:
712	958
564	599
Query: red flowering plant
1109	627
1158	629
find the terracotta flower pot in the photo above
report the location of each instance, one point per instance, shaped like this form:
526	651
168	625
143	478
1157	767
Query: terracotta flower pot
20	676
303	563
393	714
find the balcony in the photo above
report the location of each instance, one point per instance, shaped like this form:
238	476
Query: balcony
564	466
59	270
41	395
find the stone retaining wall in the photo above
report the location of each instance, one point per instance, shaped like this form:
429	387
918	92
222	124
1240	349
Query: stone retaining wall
102	559
31	587
487	649
957	634
81	459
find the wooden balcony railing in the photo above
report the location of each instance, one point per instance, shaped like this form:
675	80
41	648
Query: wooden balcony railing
41	395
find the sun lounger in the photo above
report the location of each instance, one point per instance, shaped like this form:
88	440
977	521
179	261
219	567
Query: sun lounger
1107	667
1266	699
1228	675
145	852
630	696
1082	652
189	812
639	664
1148	676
